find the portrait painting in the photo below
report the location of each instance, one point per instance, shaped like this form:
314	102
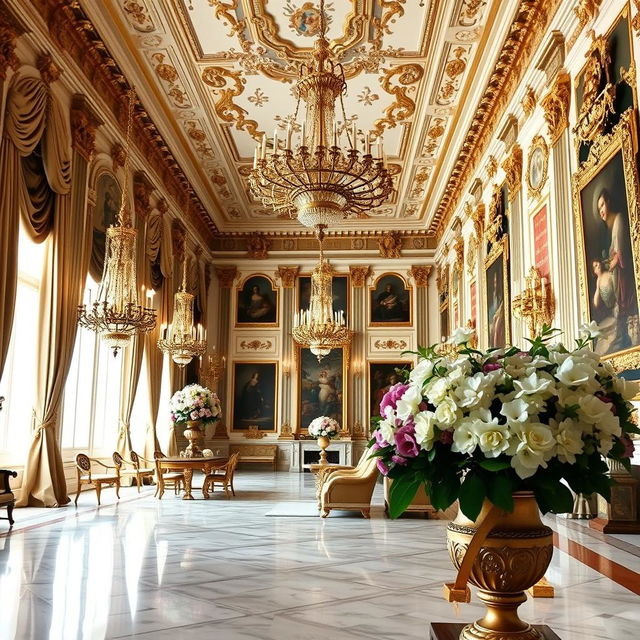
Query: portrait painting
496	281
108	197
339	292
257	302
382	376
390	301
603	192
254	395
321	386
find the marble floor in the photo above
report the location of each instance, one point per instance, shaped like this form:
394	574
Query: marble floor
222	569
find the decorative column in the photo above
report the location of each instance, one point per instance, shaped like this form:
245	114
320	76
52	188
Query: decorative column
288	277
513	174
420	275
10	30
226	277
357	412
561	243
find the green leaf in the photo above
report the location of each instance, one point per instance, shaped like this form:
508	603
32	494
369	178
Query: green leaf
495	464
444	492
500	491
472	494
401	493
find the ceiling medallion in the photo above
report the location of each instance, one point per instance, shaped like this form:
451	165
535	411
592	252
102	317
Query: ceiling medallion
318	181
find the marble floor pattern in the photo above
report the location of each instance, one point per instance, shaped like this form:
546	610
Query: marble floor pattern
221	569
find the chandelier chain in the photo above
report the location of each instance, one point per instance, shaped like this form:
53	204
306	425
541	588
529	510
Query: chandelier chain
123	219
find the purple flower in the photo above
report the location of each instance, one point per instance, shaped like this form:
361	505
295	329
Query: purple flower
406	444
446	437
382	467
392	396
399	460
491	366
380	441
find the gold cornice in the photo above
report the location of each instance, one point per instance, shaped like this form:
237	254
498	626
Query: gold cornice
73	32
556	106
513	170
524	36
84	122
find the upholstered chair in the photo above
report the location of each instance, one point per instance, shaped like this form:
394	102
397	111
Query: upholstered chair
85	475
323	473
222	475
171	478
350	489
7	499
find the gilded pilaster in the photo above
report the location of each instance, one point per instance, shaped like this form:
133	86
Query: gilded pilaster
287	275
358	321
420	275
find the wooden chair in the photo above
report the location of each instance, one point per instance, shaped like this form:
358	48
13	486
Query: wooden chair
7	499
86	476
175	478
133	467
223	476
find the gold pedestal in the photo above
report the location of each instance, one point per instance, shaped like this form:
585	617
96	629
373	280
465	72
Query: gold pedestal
323	443
195	435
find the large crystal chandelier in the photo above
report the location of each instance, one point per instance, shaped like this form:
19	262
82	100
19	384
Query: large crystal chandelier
317	180
116	314
320	327
182	340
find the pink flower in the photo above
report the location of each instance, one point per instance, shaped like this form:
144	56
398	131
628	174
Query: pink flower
382	467
194	415
399	460
406	444
491	366
446	437
392	396
380	441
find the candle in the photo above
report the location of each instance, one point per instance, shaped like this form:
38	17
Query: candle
367	145
289	136
380	149
335	134
544	288
255	158
302	135
263	155
275	141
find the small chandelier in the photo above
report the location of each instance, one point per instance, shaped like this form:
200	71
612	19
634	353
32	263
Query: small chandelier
116	314
320	327
318	181
183	342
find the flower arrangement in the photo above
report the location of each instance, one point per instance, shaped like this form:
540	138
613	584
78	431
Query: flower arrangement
472	425
194	403
323	426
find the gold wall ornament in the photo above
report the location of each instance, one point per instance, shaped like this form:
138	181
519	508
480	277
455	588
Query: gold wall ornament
48	69
556	106
458	248
635	22
11	28
472	255
390	344
359	275
138	15
286	432
256	345
492	167
288	276
529	101
471	12
598	92
117	156
586	11
537	166
478	217
536	303
420	274
254	433
211	370
226	276
513	171
142	190
257	246
84	123
390	245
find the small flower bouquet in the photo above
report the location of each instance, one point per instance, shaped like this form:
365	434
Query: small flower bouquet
472	425
194	403
323	426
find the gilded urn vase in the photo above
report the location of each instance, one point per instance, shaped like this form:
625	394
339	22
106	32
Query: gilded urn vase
323	443
512	558
194	433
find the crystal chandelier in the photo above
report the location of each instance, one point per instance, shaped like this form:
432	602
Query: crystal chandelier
116	314
183	341
318	181
320	327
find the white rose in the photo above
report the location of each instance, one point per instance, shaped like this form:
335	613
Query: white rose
534	384
568	397
493	438
515	411
437	390
516	366
575	372
474	391
526	462
590	330
628	389
593	410
465	439
461	335
535	436
408	404
569	441
387	430
421	372
425	423
447	412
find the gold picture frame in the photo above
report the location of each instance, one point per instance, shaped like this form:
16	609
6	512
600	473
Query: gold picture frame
537	167
612	157
378	289
496	278
250	314
243	372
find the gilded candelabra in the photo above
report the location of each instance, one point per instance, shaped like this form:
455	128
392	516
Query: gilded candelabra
536	303
212	369
116	314
317	180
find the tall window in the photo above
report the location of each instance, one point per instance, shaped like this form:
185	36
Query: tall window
18	383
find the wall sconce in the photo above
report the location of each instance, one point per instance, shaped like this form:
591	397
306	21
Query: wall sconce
536	303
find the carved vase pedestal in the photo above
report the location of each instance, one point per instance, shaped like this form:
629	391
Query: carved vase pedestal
195	435
513	557
323	443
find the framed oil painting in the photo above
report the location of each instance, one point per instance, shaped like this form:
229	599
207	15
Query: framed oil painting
390	301
257	302
321	386
497	295
255	388
339	289
108	197
383	374
605	197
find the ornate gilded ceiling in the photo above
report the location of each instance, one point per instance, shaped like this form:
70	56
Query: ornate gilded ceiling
215	74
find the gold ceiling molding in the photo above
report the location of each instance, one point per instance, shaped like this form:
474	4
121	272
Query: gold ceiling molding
454	68
257	246
11	28
420	274
390	245
525	35
586	11
138	15
84	123
471	12
390	9
556	106
74	33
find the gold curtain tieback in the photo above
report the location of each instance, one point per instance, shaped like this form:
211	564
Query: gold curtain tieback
124	427
45	424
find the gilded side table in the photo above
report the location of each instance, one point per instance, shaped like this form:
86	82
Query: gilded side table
187	466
